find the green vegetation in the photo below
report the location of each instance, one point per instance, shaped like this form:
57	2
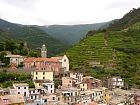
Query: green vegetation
129	19
117	51
71	34
15	47
32	35
7	79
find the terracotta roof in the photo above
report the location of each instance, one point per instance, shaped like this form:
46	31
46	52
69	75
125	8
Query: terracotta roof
29	59
58	58
47	59
40	59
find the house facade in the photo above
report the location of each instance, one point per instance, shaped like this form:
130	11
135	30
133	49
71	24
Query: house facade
15	59
65	62
78	76
68	81
40	76
49	87
22	89
114	82
12	100
46	64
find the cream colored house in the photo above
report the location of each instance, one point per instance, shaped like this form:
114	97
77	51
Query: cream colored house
15	59
40	76
65	62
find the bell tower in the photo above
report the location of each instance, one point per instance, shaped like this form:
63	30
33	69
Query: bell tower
44	51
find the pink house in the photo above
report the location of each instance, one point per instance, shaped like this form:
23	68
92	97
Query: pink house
4	100
47	64
68	81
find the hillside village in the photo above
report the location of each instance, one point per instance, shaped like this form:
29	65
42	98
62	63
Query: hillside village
74	88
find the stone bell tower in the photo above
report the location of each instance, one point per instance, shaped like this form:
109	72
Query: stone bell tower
44	51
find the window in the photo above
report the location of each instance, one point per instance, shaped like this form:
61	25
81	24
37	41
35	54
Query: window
64	60
31	97
24	87
36	77
53	98
58	99
35	97
45	100
75	93
18	87
43	73
36	73
51	91
24	93
33	91
51	86
43	77
69	81
18	92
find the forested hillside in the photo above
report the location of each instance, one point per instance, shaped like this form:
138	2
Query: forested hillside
32	35
130	18
71	34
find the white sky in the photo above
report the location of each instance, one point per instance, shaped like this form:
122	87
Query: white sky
48	12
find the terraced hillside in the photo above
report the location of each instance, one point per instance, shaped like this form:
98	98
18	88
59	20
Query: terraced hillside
109	53
92	49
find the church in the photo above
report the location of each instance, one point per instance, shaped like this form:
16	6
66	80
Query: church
57	64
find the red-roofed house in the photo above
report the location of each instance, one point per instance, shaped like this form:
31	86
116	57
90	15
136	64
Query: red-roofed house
46	64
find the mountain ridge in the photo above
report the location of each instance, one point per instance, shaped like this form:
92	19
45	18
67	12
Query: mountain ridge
32	35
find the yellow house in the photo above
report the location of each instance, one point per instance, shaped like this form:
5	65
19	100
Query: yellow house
83	86
43	75
40	76
106	94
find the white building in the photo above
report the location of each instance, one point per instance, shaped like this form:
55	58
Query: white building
65	62
78	76
48	86
22	88
114	82
15	59
34	94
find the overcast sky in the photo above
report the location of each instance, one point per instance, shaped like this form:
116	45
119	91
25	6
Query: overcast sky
48	12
